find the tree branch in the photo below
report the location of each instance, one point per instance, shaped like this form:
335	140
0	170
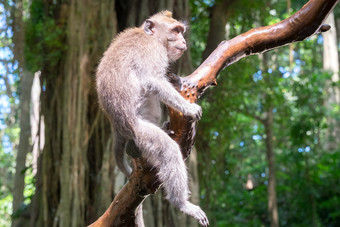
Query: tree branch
303	24
143	180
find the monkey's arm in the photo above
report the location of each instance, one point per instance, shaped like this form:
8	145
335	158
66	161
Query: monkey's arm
171	97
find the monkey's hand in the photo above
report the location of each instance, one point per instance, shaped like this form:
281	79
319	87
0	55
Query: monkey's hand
193	110
196	212
166	128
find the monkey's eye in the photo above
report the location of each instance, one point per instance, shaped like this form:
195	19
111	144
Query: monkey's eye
177	29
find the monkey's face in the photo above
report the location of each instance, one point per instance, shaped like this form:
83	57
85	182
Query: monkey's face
169	32
176	44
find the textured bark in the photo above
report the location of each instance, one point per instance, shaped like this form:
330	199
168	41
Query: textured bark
298	27
77	152
24	108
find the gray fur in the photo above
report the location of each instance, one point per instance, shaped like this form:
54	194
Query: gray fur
131	80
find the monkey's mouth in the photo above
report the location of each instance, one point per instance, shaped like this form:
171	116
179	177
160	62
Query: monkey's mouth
176	53
184	48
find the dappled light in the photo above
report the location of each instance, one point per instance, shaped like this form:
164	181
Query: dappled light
267	144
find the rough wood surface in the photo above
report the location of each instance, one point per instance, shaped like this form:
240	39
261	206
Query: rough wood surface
143	181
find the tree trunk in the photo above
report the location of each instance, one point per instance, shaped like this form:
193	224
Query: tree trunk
331	64
24	108
24	146
270	155
75	171
217	26
268	123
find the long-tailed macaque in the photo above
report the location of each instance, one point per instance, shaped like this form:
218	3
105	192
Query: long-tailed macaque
131	80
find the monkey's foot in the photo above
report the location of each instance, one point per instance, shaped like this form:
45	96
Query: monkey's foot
196	212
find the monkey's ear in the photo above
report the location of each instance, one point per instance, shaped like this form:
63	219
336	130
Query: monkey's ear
149	27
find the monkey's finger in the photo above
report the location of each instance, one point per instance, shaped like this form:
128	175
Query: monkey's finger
200	113
205	220
198	116
203	223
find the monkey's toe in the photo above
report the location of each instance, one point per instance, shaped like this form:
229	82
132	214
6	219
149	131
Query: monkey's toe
196	212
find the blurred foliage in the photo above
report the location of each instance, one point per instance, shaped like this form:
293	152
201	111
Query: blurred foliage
6	184
232	139
9	102
199	27
10	75
43	37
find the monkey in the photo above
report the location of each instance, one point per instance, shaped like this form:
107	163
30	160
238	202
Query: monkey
131	81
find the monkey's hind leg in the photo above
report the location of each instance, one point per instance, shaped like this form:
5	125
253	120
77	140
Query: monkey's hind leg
164	153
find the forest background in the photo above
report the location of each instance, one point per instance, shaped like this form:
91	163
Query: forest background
267	147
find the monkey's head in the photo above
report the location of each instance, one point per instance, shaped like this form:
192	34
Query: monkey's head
168	31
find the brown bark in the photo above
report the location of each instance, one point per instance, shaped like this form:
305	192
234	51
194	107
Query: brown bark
77	134
298	27
78	121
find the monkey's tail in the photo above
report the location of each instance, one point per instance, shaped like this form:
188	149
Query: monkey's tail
119	152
